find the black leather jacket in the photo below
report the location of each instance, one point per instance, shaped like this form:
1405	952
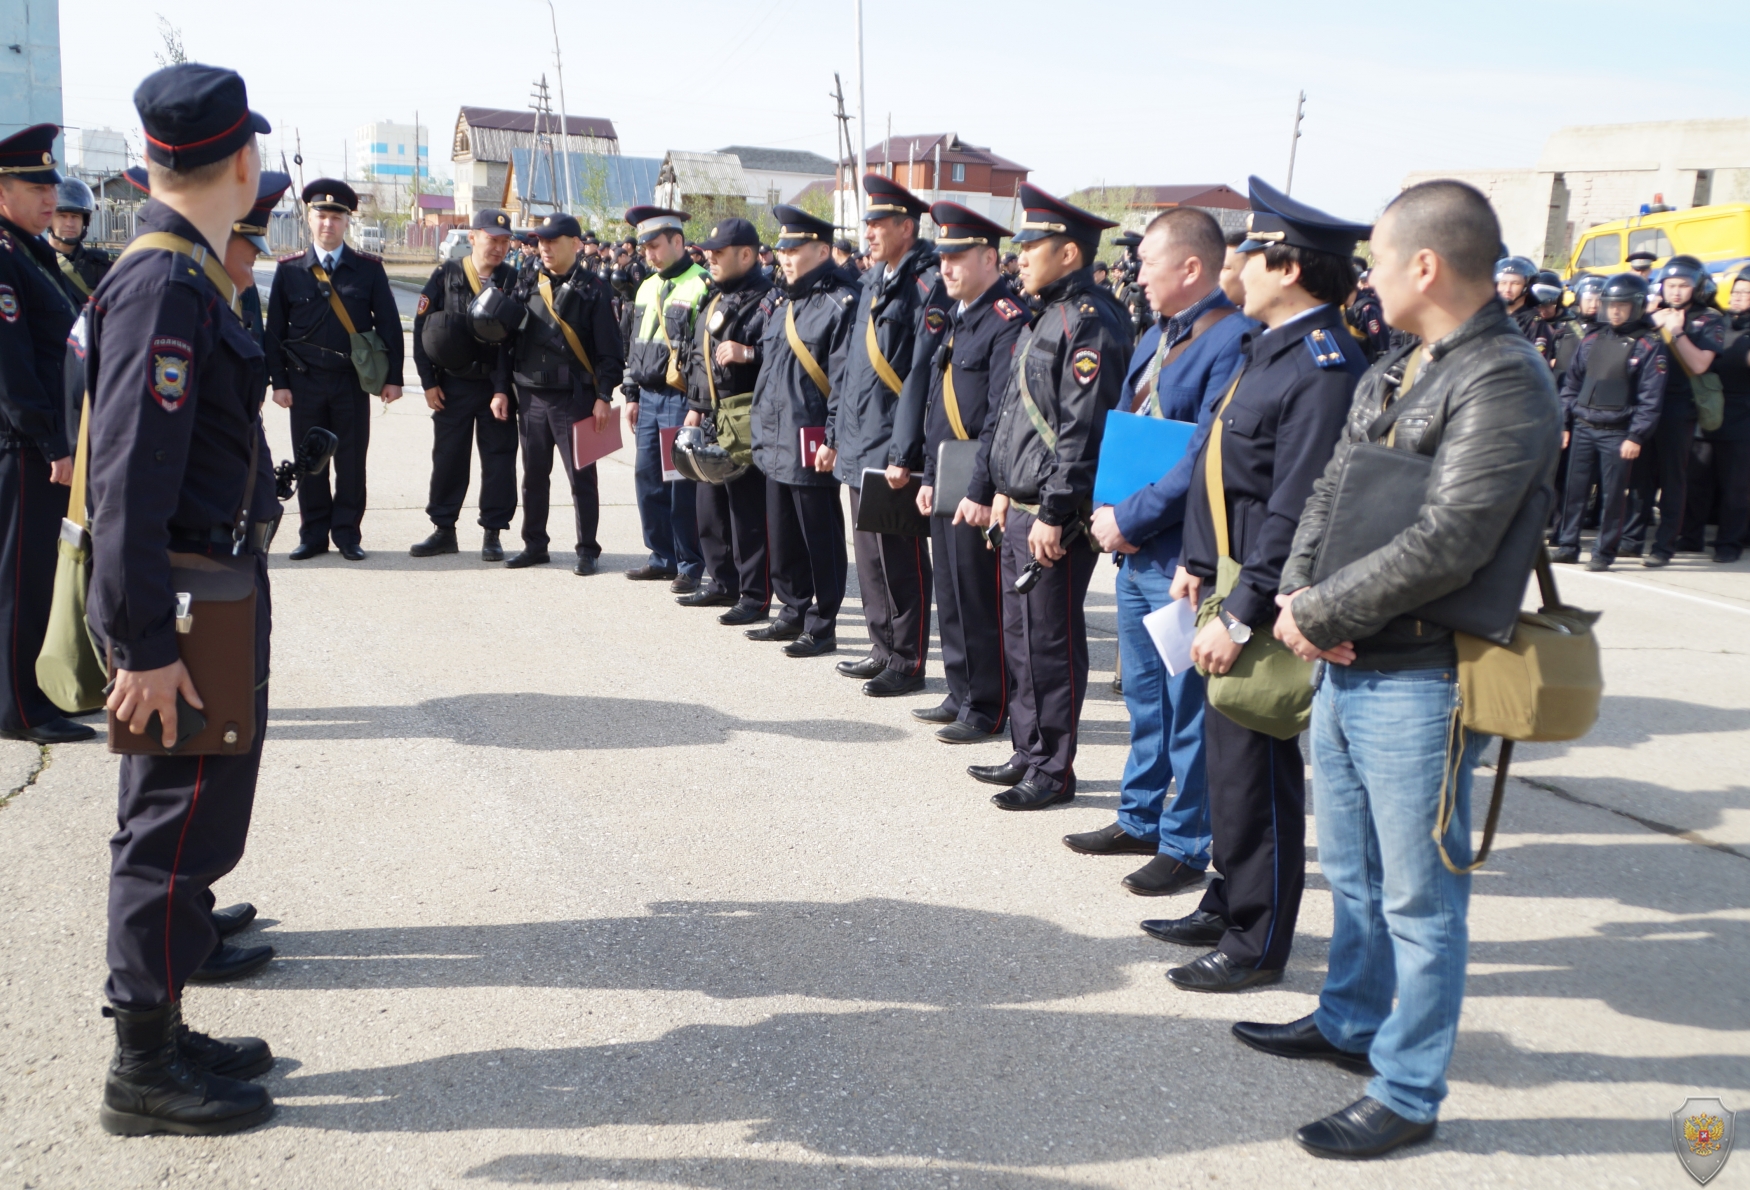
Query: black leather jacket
735	312
1484	405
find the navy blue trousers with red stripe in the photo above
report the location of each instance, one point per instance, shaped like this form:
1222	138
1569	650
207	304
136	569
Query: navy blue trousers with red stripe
180	825
1046	636
732	536
969	622
893	576
31	509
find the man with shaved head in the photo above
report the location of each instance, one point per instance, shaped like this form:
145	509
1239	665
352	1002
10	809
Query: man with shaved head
1476	397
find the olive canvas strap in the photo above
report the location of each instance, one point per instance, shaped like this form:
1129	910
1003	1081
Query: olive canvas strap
1034	413
883	369
711	364
546	288
951	403
803	355
164	241
334	301
1212	478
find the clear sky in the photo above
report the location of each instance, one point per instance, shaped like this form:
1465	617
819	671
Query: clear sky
1081	91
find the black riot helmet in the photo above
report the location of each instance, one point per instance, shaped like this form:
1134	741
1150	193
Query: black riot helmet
74	196
703	461
1688	268
1546	288
1624	287
493	316
1586	283
1516	266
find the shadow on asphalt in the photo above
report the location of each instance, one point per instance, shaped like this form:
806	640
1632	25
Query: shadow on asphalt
533	1169
557	721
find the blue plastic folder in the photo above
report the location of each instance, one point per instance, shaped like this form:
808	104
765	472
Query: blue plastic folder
1137	451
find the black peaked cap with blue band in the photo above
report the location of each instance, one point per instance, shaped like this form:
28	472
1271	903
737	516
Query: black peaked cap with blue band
797	227
1045	215
1278	219
29	156
889	198
958	228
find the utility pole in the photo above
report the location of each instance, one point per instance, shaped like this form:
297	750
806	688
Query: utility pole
847	152
1294	143
564	120
862	119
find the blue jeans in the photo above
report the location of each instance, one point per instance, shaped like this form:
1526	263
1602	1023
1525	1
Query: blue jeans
1166	730
1379	745
669	511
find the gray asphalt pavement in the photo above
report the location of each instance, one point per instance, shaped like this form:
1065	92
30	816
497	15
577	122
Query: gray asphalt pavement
572	886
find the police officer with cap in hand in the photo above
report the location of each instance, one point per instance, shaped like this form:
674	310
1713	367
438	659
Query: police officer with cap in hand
1272	436
178	457
82	265
802	358
461	330
722	362
309	360
567	364
893	570
968	341
1036	476
37	308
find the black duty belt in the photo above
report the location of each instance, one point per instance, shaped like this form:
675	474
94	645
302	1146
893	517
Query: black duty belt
193	541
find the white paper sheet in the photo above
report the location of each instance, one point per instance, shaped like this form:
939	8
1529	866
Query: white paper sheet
1173	628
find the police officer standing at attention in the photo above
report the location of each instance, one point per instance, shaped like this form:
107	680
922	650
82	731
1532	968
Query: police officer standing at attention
37	310
1035	473
460	328
661	317
722	364
893	571
968	352
1273	433
178	457
567	365
82	265
804	347
309	361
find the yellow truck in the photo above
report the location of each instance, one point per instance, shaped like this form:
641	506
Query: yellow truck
1719	236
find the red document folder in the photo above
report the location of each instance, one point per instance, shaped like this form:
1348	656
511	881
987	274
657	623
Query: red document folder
813	438
667	437
587	446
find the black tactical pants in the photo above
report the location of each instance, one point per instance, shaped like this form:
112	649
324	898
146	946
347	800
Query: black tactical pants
1046	634
1595	456
732	536
465	417
545	428
893	576
808	553
1662	473
31	509
1719	490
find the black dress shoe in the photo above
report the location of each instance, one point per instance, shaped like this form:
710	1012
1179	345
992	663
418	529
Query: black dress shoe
585	565
527	557
233	919
650	574
707	598
58	730
1598	562
810	645
1025	795
1162	876
963	733
1299	1039
1201	928
1215	972
939	714
683	585
997	774
1110	840
778	629
1564	557
228	962
351	551
305	550
1651	562
862	667
491	549
441	541
1727	556
744	612
890	683
1366	1128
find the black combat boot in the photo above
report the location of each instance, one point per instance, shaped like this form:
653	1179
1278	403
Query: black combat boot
491	550
233	1057
441	541
152	1087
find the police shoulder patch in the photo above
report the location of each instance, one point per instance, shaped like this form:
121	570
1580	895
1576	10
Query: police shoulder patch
374	259
1008	309
1659	364
424	304
934	320
8	304
172	365
5	239
290	256
1326	351
1085	363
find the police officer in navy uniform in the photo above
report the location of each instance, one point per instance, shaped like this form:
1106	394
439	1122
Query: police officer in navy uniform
82	265
893	570
806	341
1276	428
309	360
177	385
731	515
37	309
460	349
968	342
1035	478
570	309
249	243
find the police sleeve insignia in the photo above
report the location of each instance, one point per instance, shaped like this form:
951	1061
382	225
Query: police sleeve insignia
934	320
172	368
1009	310
1086	365
424	304
8	304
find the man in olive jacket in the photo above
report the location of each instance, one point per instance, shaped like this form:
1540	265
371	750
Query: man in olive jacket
1480	400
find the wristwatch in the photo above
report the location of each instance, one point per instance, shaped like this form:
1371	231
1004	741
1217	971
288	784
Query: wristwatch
1237	630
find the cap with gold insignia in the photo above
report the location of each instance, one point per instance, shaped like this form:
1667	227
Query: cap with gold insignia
650	222
958	228
331	194
554	226
29	155
1045	215
195	115
797	227
1279	219
731	233
253	226
888	198
491	222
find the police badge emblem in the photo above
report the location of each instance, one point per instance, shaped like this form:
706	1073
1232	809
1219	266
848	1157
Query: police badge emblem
1701	1132
1086	365
8	304
170	372
715	322
934	320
